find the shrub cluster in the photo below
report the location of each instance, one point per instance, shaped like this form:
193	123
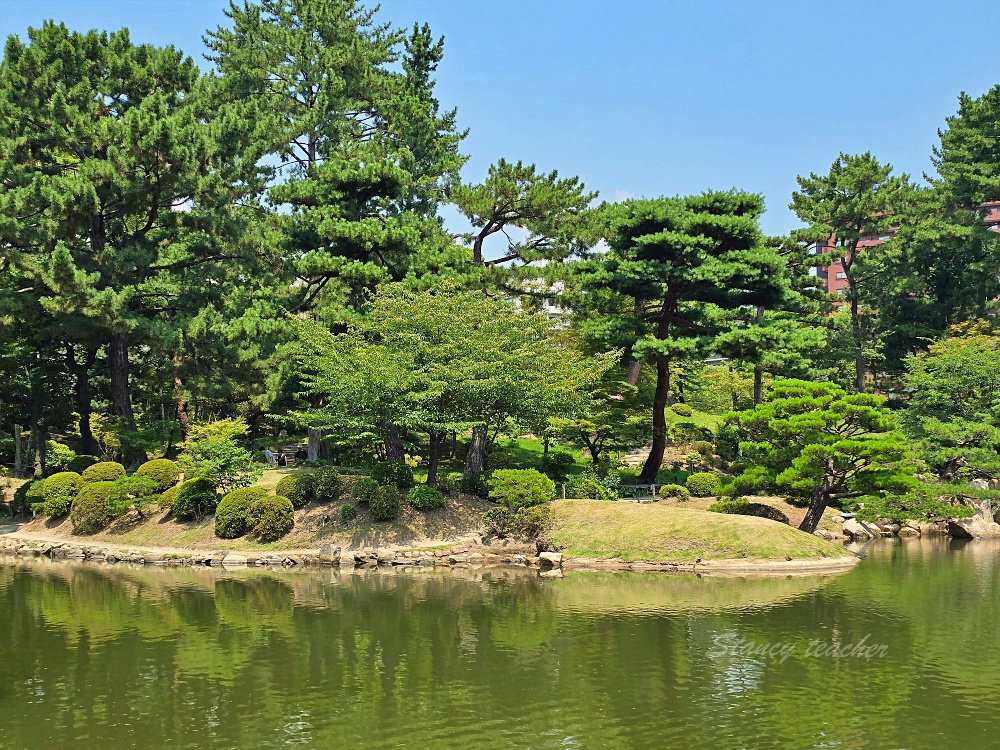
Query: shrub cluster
81	462
424	497
105	471
162	471
195	498
94	508
58	457
449	482
270	518
56	493
393	472
681	410
167	499
583	486
556	465
518	488
742	507
327	484
702	484
25	495
232	515
298	488
675	490
383	503
364	488
525	523
474	484
347	514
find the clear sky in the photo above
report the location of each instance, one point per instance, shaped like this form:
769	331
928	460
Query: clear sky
652	97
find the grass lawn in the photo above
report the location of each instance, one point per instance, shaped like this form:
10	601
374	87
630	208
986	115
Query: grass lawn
659	533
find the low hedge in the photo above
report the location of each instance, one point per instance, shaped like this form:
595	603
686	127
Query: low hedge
232	514
746	508
327	484
383	504
195	498
296	487
105	471
579	487
270	517
57	493
526	523
92	509
425	497
518	488
675	490
162	471
363	489
703	484
393	472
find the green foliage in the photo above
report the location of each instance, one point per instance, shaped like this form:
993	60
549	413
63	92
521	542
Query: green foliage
703	447
556	465
517	488
347	514
742	507
81	462
364	488
681	410
393	472
232	517
133	492
922	502
474	484
449	482
169	497
26	495
58	457
675	490
195	498
702	484
383	503
106	471
587	486
57	493
162	471
296	487
525	523
423	497
327	484
269	518
94	508
211	452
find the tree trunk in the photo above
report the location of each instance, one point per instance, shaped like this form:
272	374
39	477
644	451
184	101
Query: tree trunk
312	449
655	459
475	459
18	450
633	372
433	458
856	332
758	385
121	397
83	397
394	450
181	408
813	515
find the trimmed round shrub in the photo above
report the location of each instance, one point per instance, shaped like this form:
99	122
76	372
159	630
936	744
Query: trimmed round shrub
92	509
25	495
195	498
675	490
327	484
347	514
518	488
581	486
162	471
681	410
232	515
449	482
364	488
58	457
702	484
168	498
105	471
393	472
703	447
57	493
296	487
270	517
81	462
425	497
474	484
556	465
383	504
746	508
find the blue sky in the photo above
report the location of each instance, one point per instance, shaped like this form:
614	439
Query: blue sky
644	98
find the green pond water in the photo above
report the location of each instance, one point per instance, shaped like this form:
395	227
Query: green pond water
95	656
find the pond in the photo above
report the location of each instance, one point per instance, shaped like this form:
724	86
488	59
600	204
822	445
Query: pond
901	652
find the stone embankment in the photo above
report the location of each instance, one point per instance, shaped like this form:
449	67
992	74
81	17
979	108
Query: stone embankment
460	555
984	523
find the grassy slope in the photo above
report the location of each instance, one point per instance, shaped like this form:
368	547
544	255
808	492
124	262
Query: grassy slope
656	533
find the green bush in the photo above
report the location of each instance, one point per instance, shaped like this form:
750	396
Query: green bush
347	514
498	521
270	518
168	498
517	488
296	487
232	517
703	447
133	491
583	486
106	471
25	495
681	410
746	508
425	497
81	462
92	509
449	482
57	493
393	472
364	488
383	504
474	484
525	523
58	457
195	498
162	471
702	484
556	465
675	490
327	484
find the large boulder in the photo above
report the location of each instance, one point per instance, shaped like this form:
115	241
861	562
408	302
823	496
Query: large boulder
329	554
975	527
860	531
550	559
